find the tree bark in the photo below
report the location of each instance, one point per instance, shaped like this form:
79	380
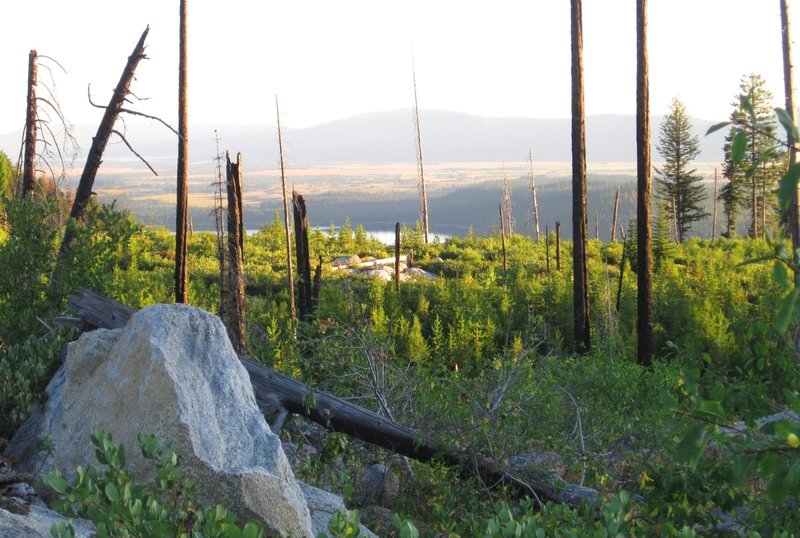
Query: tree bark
791	109
533	195
235	309
616	215
289	269
714	212
423	193
31	123
644	254
182	194
580	224
558	246
83	193
303	261
277	391
397	257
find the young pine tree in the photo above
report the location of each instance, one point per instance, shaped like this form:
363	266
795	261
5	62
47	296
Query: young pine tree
678	185
751	183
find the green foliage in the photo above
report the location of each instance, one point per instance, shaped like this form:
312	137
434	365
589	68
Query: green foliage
118	506
6	174
25	370
680	186
754	159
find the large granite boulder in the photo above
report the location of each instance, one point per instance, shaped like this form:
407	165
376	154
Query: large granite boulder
170	372
38	522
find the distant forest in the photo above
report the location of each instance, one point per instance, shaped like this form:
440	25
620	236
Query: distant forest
452	213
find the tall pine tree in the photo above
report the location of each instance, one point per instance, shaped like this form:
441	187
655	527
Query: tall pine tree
679	186
751	184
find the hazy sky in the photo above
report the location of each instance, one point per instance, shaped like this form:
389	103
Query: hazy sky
334	59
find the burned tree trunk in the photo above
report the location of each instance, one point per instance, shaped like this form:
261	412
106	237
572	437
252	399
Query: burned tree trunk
503	236
304	293
235	301
31	120
580	226
533	195
644	239
397	257
558	246
714	212
182	194
83	193
274	390
286	217
616	215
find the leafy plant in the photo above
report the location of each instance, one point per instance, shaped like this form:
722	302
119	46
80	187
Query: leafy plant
118	506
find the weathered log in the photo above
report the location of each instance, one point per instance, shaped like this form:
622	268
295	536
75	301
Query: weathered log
274	390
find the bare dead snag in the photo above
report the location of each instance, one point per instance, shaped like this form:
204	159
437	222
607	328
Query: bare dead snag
397	257
31	122
235	303
423	193
84	191
304	291
503	236
533	195
558	246
714	212
182	194
286	218
616	215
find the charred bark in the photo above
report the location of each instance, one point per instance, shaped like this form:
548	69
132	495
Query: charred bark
235	301
31	121
304	292
182	194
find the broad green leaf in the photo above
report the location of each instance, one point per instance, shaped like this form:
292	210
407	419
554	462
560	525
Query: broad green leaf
778	486
112	493
788	124
717	126
691	446
788	186
738	148
56	481
780	274
786	311
712	408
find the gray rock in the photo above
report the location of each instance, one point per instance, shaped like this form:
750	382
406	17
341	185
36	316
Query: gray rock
37	524
420	273
346	261
378	485
378	518
322	505
382	274
171	372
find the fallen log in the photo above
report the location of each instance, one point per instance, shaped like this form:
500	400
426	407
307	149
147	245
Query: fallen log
274	390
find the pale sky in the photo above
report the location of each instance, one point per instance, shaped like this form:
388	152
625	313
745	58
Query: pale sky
329	60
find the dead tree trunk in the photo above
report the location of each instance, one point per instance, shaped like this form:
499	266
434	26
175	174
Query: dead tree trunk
503	237
616	215
558	246
306	308
235	308
286	225
547	246
533	195
397	257
423	193
714	211
644	250
580	265
597	224
182	194
31	121
621	265
95	156
273	390
219	223
788	86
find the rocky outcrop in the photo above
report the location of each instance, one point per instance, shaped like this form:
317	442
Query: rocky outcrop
322	505
37	523
383	269
377	485
171	372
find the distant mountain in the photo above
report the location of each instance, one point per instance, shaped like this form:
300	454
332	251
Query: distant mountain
388	137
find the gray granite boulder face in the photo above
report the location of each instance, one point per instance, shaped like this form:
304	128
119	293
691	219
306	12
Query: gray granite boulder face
323	505
170	372
37	524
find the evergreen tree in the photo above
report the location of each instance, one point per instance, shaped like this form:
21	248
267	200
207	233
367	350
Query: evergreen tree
751	184
678	185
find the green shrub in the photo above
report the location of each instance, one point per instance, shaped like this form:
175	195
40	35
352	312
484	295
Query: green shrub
119	507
